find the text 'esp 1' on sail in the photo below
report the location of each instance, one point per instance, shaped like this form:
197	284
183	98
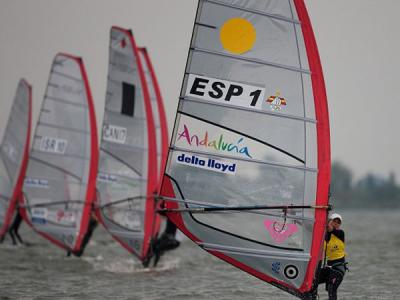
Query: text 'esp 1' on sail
60	182
248	169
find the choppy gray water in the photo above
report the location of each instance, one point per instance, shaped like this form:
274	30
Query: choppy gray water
107	271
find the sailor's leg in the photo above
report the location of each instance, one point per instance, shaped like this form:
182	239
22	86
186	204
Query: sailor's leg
16	225
335	279
10	231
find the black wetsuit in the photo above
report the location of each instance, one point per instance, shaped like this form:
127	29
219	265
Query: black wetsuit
13	230
332	274
91	227
166	241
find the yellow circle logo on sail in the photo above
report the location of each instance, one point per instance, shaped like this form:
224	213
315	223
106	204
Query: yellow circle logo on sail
238	35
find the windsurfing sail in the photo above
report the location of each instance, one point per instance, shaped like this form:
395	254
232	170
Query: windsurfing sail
60	182
160	119
248	170
14	151
127	179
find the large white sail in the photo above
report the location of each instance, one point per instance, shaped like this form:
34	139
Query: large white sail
248	170
127	179
60	182
14	151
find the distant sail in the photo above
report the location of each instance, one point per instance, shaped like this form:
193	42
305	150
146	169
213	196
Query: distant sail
160	119
60	183
14	152
249	164
127	179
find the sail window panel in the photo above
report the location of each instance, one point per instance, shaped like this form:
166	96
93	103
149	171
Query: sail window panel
257	226
272	81
268	39
110	167
309	104
276	7
20	111
65	71
66	88
120	189
16	133
311	146
129	215
61	142
303	57
310	193
77	168
231	182
67	116
122	62
12	152
11	168
21	104
134	158
5	183
117	181
285	134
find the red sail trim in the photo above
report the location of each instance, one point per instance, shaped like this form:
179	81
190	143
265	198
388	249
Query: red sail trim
152	158
24	164
323	138
162	116
164	132
94	160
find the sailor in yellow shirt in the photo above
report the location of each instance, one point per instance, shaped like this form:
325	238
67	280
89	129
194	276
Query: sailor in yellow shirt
333	271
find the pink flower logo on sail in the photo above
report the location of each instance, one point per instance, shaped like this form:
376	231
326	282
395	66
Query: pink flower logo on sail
280	232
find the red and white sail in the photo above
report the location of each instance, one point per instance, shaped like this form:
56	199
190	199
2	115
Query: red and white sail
14	151
127	179
60	183
248	169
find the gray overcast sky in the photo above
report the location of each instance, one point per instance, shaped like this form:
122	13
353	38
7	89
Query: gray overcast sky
358	43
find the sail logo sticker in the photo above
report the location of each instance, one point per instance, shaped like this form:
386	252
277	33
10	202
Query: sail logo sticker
237	35
276	102
36	183
276	267
54	145
104	177
219	143
223	91
206	163
65	216
39	215
114	134
280	232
